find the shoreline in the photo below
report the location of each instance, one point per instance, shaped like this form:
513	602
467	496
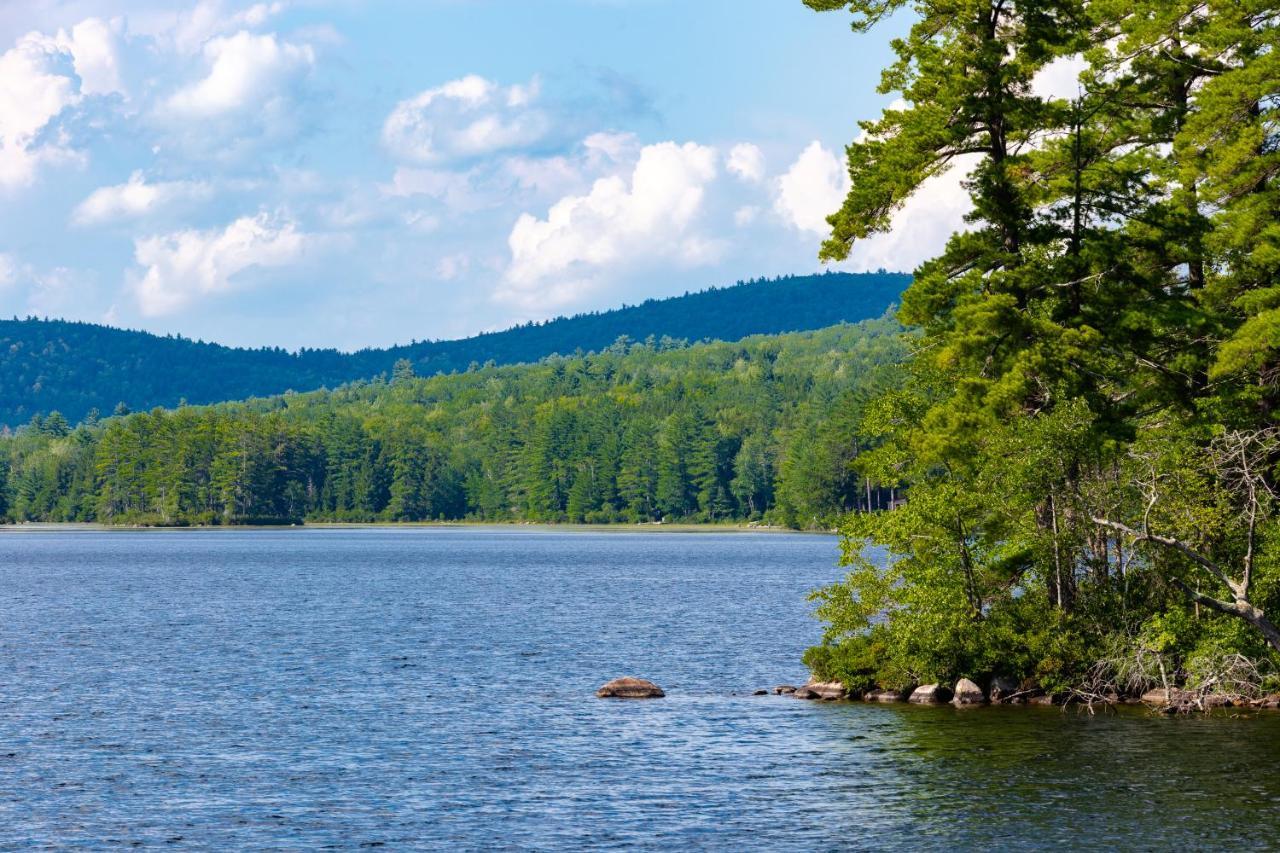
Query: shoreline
530	526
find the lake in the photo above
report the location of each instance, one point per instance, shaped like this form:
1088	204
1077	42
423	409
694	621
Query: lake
423	687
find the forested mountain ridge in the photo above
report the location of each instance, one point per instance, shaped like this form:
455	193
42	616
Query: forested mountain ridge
74	368
764	428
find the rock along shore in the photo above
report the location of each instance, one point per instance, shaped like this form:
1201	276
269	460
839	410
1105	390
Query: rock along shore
1006	691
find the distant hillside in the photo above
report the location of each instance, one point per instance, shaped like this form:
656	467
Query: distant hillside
48	365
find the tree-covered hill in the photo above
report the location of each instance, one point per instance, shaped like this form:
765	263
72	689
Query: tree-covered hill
764	428
74	368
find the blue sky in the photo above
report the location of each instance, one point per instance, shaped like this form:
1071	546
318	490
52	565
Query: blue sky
343	173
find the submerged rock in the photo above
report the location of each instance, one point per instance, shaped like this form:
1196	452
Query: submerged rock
760	693
630	688
784	689
1002	688
930	694
968	693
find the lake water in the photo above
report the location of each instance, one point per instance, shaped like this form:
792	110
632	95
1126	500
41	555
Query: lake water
433	686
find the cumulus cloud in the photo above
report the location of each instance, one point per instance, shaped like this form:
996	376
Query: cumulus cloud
36	84
460	192
245	70
185	265
920	229
747	162
812	189
135	198
648	217
209	18
95	50
463	119
815	185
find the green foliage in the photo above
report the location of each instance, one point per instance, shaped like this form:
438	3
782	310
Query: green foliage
1089	433
76	367
637	433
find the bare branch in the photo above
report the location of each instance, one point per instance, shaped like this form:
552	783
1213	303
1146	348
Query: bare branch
1177	545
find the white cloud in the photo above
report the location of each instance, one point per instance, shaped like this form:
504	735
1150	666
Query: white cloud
812	189
455	190
135	198
599	154
188	264
35	86
815	186
210	18
245	70
649	217
463	119
746	215
611	147
1060	78
747	162
920	229
93	45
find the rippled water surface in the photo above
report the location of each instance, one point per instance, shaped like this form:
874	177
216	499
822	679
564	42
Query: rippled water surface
433	686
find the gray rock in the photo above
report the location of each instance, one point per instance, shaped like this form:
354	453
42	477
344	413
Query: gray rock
804	693
930	694
784	689
968	693
630	688
1002	687
883	694
828	689
761	693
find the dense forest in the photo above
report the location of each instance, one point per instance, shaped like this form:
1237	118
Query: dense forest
1089	434
76	368
761	429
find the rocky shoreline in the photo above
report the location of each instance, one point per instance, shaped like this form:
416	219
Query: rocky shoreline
1007	691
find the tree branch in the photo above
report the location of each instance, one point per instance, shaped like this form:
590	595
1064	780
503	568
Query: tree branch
1181	547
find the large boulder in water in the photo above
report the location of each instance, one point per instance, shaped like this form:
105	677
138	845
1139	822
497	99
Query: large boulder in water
1003	687
630	688
968	693
828	689
930	694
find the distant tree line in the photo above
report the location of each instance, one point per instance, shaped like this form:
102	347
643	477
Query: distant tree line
761	429
74	368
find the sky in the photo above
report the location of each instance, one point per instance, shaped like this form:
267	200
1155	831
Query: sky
337	173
